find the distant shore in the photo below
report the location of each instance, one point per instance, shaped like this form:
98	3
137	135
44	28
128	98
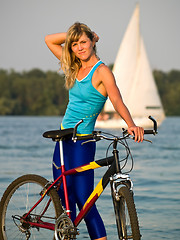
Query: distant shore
39	93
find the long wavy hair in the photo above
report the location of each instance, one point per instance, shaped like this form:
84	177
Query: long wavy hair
70	64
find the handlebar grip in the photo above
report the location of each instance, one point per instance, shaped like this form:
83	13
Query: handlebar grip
85	137
149	131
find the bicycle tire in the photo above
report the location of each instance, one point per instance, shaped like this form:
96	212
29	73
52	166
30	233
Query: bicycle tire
126	215
18	198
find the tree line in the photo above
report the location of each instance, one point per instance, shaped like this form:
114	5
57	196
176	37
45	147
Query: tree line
32	93
36	92
169	89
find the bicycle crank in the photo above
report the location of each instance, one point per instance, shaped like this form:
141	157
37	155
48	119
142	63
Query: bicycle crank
64	228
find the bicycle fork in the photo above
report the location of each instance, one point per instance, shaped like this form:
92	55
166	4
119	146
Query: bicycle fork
118	180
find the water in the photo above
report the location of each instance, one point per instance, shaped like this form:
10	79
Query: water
156	173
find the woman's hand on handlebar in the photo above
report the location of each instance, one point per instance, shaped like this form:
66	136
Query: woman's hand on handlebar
137	132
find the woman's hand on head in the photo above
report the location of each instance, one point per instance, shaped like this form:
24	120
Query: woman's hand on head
137	132
96	37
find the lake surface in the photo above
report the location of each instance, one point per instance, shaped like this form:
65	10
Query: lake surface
156	173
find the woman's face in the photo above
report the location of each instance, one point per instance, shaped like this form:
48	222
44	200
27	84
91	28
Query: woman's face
83	48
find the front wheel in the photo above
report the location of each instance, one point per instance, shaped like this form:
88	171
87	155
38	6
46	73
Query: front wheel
18	199
126	216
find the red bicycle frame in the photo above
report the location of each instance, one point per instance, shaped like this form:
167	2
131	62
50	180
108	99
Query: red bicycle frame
92	198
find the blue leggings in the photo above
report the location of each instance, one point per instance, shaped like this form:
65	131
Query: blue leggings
80	185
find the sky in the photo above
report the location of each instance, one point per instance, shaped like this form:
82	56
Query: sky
25	23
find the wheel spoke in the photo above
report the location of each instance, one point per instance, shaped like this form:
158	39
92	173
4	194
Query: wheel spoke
18	199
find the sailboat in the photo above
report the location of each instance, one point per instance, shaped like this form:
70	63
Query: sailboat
135	80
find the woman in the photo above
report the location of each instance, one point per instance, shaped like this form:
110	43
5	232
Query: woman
89	82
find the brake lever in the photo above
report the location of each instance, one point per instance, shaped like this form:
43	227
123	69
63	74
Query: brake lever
95	139
147	140
143	139
91	140
125	132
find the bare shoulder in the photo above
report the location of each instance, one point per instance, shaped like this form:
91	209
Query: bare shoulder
104	71
103	68
105	74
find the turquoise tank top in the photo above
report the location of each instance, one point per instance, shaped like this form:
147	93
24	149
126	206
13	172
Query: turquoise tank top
85	103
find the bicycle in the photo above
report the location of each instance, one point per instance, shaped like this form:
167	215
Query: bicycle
30	206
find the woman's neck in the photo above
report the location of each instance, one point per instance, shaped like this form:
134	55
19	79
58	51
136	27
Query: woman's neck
90	63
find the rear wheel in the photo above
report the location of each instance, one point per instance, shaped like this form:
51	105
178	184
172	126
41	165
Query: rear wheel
126	216
18	199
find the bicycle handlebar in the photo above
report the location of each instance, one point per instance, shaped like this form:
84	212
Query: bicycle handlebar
96	135
154	130
150	131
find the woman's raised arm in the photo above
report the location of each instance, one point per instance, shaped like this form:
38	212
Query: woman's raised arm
54	43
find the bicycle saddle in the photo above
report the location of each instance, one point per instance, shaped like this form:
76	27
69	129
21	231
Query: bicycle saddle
58	135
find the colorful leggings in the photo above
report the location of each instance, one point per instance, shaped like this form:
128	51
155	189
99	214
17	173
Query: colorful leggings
80	185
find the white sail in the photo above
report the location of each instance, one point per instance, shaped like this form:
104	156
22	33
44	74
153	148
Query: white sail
134	79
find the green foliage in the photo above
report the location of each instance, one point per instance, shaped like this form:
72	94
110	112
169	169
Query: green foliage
169	89
42	93
32	93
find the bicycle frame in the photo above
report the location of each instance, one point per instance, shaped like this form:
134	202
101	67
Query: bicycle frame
120	183
93	196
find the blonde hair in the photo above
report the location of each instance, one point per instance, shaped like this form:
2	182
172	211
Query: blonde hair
70	64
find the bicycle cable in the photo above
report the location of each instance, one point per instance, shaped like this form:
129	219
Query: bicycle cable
124	143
